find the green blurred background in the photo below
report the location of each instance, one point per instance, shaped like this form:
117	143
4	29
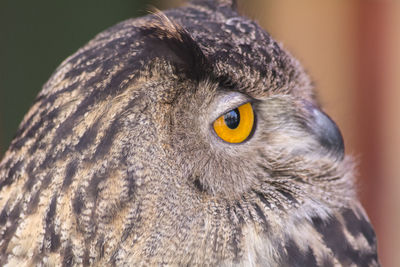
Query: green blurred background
36	36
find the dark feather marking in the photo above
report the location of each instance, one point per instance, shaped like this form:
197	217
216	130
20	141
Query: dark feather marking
332	233
237	234
333	236
236	237
31	177
21	129
50	234
92	193
3	259
295	257
133	220
126	232
233	59
49	100
226	82
7	164
89	101
237	60
263	199
19	141
352	222
113	258
245	210
70	172
266	55
60	155
239	216
6	237
327	261
368	231
83	67
287	195
239	207
52	97
47	162
121	80
3	215
34	201
198	185
101	93
35	127
176	46
68	256
77	202
31	166
14	214
86	257
229	212
66	127
215	238
13	217
131	184
359	226
55	242
107	140
88	137
92	188
112	52
46	181
39	139
100	246
261	214
11	173
279	173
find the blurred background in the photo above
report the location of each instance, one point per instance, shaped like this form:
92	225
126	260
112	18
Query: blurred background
351	48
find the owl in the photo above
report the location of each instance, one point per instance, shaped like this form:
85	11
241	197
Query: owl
183	138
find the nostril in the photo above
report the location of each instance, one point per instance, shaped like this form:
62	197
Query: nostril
327	132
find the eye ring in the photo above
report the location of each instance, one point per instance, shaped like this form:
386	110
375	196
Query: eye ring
236	125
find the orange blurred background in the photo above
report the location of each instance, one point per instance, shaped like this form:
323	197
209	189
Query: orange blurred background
351	48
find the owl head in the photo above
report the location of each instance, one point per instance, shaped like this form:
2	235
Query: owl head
186	137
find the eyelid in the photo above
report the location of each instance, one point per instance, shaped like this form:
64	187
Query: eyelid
227	102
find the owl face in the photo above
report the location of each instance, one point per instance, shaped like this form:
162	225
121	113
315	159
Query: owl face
184	138
234	135
234	104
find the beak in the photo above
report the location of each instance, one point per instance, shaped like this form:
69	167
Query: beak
326	130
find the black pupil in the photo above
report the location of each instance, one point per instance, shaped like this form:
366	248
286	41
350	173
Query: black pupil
232	118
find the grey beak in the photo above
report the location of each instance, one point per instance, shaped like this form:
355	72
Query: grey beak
326	130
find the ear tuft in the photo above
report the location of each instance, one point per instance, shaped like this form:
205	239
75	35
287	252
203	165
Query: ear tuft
163	38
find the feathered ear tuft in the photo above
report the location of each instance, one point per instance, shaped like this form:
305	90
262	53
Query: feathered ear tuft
229	3
163	38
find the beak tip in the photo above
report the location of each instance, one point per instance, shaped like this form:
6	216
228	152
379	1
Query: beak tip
328	133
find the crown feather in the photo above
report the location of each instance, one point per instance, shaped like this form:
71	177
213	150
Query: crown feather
221	3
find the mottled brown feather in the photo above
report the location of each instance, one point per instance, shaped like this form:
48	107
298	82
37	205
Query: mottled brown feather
116	163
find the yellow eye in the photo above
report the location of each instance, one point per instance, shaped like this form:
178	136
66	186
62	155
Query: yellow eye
236	125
